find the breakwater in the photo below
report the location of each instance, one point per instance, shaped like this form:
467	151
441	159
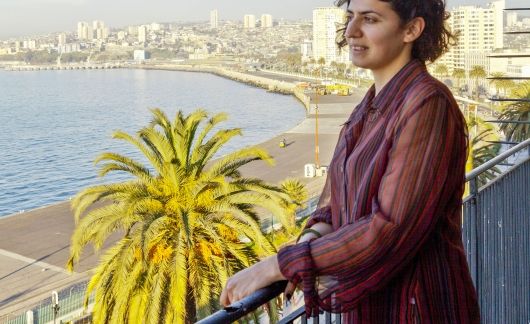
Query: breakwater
271	85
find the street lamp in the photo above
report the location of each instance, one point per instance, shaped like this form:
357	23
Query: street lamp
316	131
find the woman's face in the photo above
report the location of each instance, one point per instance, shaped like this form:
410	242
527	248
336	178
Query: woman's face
374	34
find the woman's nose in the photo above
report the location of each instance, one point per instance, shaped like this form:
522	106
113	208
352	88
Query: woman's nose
352	29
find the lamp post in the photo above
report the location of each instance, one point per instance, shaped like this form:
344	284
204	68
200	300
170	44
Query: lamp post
316	130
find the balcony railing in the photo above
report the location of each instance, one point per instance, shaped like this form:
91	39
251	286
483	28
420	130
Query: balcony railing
496	235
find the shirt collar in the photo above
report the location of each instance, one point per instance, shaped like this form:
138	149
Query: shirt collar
399	81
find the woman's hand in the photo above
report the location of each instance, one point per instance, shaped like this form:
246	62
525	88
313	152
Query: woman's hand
248	280
323	229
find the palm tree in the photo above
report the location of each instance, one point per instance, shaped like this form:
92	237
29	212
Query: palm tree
477	72
321	61
458	74
481	149
297	193
517	111
500	83
441	70
187	223
481	152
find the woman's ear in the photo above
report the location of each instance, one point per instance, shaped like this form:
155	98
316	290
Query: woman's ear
413	29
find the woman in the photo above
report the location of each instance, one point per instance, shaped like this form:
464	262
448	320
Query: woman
386	236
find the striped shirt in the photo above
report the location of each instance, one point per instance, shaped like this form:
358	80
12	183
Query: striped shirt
393	197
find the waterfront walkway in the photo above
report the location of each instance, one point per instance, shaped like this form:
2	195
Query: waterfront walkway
34	245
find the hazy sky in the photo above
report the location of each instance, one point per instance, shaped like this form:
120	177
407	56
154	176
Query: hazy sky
32	17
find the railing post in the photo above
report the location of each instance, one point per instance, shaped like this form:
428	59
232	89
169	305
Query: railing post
474	231
29	317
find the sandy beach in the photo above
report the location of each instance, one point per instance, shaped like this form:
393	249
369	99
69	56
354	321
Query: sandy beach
34	245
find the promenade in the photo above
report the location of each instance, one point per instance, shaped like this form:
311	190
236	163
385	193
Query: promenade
34	246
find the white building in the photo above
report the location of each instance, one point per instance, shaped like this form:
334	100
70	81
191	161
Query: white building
266	21
142	34
61	39
140	55
249	22
214	19
306	48
325	21
511	19
481	32
84	31
121	35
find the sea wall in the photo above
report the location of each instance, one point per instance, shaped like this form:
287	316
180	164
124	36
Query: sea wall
253	80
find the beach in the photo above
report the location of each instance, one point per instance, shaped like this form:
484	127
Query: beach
34	245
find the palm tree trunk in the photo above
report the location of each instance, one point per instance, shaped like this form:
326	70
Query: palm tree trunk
191	311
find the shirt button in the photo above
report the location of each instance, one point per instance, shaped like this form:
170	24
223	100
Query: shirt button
342	169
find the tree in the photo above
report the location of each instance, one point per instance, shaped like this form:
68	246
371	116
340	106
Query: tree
187	223
517	111
477	72
481	150
441	70
321	62
500	83
459	74
298	195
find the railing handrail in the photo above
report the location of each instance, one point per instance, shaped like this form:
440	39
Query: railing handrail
246	305
496	160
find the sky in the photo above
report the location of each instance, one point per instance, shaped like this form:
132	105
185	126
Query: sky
38	17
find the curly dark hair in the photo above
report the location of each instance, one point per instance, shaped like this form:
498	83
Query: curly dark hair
435	39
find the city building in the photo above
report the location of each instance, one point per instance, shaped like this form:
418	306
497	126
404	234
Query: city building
132	30
142	34
325	21
306	49
266	21
480	33
61	39
511	19
84	31
249	22
214	19
140	55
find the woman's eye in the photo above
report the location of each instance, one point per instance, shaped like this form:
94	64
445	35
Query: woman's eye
369	19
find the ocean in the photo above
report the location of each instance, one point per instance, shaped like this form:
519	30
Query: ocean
53	124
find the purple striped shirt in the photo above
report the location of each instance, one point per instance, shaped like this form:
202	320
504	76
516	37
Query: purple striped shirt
393	197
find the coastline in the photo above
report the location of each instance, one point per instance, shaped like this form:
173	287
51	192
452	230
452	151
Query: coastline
41	236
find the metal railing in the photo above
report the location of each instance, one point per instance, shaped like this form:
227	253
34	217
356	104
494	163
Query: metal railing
496	235
70	302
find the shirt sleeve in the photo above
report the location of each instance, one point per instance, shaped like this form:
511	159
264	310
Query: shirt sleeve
365	255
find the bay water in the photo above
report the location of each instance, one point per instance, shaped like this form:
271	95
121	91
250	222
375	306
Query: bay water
53	124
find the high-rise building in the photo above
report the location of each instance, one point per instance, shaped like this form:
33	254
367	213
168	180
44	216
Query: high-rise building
249	22
214	19
99	29
142	34
480	33
97	24
84	31
61	39
266	21
306	49
325	20
133	30
511	19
